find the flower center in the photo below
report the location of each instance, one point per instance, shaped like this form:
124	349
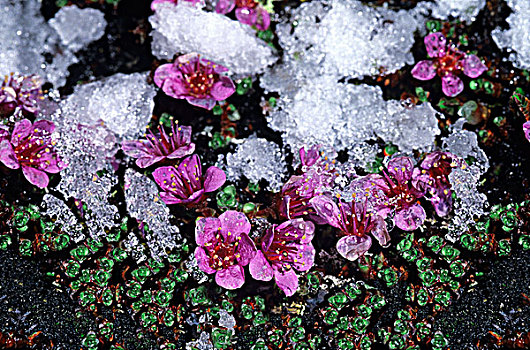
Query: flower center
200	82
223	255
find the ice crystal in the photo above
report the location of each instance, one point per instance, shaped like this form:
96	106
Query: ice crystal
123	103
347	38
78	27
465	10
464	144
347	115
133	246
144	204
203	343
28	42
517	37
56	208
226	320
256	159
184	29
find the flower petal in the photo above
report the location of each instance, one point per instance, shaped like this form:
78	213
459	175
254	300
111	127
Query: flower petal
230	278
225	6
223	88
169	198
135	148
206	230
263	19
260	269
182	151
473	66
352	247
36	177
305	257
424	70
234	222
287	281
7	155
401	168
246	250
206	103
327	209
379	231
203	260
147	161
452	85
435	44
526	129
409	219
246	15
21	131
213	179
163	72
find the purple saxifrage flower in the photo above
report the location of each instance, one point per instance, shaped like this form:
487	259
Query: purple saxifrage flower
20	95
433	179
399	194
223	247
285	248
295	197
157	147
186	183
448	62
32	149
249	12
199	81
355	223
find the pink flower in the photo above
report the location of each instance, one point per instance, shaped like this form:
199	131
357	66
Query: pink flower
398	194
285	248
295	197
433	178
160	146
32	149
447	62
20	95
224	247
249	12
195	79
186	184
355	223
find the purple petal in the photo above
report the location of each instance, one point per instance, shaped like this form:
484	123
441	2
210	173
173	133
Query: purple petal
287	281
263	19
166	178
424	70
134	149
246	250
213	179
21	131
305	257
379	231
352	247
526	129
206	230
473	66
44	125
409	219
234	222
223	88
231	278
175	88
7	155
163	72
195	197
443	202
224	6
401	169
203	260
246	15
206	103
260	269
36	177
452	85
147	161
182	151
327	209
435	44
169	198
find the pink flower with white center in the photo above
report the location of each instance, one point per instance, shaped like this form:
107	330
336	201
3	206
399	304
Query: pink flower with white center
284	249
32	149
201	82
223	247
157	147
447	62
